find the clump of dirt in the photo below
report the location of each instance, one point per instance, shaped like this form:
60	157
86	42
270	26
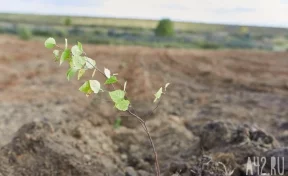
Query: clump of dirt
77	147
222	107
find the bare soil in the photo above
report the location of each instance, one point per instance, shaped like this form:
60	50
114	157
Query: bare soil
222	106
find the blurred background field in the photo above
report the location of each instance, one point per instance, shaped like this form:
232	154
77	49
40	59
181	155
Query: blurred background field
114	31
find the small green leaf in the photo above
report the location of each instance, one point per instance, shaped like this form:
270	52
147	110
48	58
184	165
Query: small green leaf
85	88
90	63
80	47
122	105
65	55
56	54
95	86
78	62
50	43
117	95
117	123
118	98
107	72
70	73
111	80
71	63
76	51
158	94
81	73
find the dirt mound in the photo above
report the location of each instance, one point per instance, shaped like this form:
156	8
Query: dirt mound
77	147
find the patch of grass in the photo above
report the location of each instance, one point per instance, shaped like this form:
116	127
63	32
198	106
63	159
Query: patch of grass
46	32
24	33
42	32
68	21
207	45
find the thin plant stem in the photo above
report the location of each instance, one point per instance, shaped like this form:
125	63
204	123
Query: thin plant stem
143	123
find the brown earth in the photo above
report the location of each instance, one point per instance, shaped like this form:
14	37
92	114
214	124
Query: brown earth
222	106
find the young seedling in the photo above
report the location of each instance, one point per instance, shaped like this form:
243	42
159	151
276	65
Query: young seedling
80	63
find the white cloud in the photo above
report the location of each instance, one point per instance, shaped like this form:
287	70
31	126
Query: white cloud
255	12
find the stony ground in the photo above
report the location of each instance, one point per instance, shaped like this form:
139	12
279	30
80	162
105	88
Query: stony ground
222	106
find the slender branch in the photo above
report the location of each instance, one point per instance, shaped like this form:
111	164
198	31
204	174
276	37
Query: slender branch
151	112
143	123
139	118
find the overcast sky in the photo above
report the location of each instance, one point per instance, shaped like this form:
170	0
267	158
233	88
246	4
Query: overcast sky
243	12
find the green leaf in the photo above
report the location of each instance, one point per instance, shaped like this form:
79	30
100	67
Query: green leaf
158	94
56	54
117	123
90	63
111	80
85	88
80	47
78	62
117	95
118	98
65	55
71	63
76	50
50	43
95	86
122	105
70	73
81	73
